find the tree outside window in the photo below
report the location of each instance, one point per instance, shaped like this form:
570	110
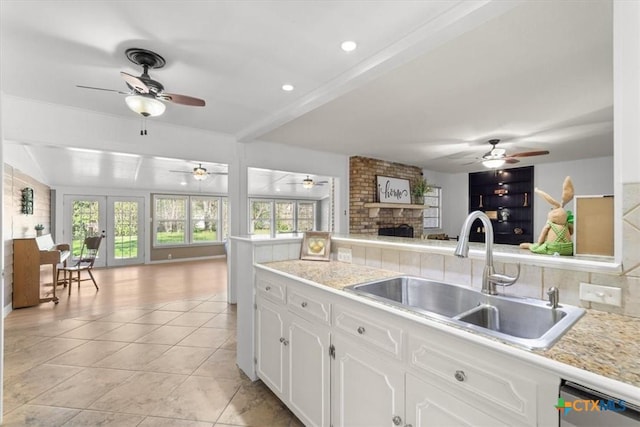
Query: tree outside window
260	217
306	216
204	219
171	220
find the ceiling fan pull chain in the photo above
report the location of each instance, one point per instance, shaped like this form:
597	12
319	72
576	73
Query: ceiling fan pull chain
143	126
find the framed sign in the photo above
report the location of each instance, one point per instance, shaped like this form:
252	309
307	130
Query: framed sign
393	190
316	245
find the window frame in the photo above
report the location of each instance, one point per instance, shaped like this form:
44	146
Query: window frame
273	231
437	207
188	231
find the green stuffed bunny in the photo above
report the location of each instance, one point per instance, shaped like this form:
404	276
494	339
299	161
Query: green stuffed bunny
555	237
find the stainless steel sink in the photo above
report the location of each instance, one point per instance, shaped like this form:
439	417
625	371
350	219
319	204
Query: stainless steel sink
526	322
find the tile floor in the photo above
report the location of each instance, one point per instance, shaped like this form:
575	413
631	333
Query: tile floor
169	363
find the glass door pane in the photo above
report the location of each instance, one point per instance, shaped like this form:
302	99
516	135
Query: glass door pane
84	218
126	230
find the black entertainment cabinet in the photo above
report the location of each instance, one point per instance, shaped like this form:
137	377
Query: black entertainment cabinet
506	196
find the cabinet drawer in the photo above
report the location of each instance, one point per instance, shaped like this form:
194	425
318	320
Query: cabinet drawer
373	331
309	306
271	290
480	377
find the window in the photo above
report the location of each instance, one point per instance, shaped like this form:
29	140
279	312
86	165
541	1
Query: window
185	220
432	215
281	216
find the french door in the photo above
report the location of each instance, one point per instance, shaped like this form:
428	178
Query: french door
118	218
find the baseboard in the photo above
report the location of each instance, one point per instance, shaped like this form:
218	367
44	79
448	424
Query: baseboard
164	261
6	310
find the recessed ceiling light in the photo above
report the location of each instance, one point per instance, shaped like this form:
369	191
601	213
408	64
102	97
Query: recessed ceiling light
183	183
349	46
287	87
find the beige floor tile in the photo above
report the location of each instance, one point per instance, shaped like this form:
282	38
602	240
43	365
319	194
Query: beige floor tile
84	388
18	362
134	356
219	297
231	343
221	364
129	332
140	394
21	389
172	422
52	329
88	353
192	318
167	334
179	360
38	416
256	405
126	315
207	337
96	418
184	305
222	321
158	317
211	307
91	330
20	342
198	399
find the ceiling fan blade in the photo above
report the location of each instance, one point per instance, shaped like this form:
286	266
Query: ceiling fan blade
181	171
135	82
530	153
103	89
511	160
182	99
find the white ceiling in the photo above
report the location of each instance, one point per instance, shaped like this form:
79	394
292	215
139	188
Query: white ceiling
430	82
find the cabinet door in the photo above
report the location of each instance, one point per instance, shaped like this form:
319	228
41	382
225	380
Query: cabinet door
367	389
308	370
271	344
430	405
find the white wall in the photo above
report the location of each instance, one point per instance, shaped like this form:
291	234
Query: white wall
455	191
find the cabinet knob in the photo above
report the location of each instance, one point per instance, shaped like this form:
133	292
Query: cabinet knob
285	342
361	330
304	304
268	288
460	376
397	420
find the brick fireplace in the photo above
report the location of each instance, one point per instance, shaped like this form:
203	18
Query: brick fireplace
362	189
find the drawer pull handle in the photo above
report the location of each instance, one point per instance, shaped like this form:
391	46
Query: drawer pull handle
284	341
281	339
361	330
397	420
460	376
268	288
304	304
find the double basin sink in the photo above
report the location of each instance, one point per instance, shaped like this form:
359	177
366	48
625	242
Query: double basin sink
525	322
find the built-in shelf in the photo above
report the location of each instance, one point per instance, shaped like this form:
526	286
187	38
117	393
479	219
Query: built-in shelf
397	209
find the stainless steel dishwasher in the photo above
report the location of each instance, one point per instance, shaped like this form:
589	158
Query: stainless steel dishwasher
586	407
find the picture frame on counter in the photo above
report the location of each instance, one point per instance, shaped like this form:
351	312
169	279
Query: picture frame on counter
393	190
316	246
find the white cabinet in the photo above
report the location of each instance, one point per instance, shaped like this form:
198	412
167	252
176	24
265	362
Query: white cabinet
270	345
366	390
428	405
292	352
386	369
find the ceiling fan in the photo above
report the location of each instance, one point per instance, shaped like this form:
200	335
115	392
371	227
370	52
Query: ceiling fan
199	173
309	183
497	157
145	94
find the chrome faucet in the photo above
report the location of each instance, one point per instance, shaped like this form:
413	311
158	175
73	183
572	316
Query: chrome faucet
554	297
489	277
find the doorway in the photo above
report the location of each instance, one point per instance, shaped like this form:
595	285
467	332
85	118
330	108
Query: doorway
118	218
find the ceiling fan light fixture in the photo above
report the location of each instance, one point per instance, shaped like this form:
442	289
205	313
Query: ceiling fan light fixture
307	183
493	163
200	173
145	105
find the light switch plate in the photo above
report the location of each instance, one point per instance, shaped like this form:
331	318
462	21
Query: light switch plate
344	255
601	294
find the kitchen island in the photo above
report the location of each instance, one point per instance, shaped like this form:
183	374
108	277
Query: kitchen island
415	357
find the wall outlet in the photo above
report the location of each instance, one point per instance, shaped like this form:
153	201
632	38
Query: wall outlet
601	294
344	255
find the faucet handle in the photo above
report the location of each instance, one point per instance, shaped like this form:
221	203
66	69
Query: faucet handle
554	297
503	279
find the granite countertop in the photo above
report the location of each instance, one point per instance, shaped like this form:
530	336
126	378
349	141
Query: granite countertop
603	343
